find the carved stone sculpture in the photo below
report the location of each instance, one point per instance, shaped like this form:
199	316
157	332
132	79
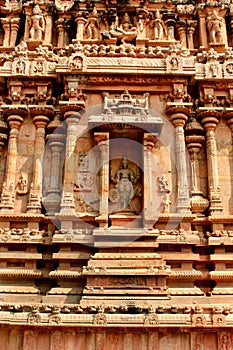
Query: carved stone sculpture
37	24
125	180
92	25
159	27
215	25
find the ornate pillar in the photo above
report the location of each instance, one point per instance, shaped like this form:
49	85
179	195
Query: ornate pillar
53	196
178	116
102	139
6	27
182	33
61	32
15	119
28	12
150	212
202	29
40	118
210	121
191	29
80	26
194	140
72	117
48	26
14	31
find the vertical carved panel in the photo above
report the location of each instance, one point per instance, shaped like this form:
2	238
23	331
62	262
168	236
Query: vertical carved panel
197	341
29	341
57	341
224	341
153	341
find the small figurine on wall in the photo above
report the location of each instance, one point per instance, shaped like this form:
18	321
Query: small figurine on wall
37	24
22	185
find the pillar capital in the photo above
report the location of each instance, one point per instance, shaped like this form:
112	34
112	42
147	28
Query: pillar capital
178	114
150	140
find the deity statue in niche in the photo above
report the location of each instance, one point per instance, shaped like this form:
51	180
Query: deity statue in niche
92	25
160	30
22	185
215	25
37	24
126	186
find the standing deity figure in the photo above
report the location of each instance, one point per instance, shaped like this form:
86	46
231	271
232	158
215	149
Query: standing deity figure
37	24
160	30
124	180
92	25
215	25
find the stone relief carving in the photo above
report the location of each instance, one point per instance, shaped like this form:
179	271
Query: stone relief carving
92	25
36	24
151	320
159	27
64	5
163	188
22	186
75	62
215	25
100	319
124	33
198	320
224	341
219	320
126	186
197	341
28	339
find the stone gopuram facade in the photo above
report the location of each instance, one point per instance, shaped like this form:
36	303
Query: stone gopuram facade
116	175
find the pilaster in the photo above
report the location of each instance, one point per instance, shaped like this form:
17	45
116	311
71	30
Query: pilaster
102	139
40	118
15	117
209	119
178	115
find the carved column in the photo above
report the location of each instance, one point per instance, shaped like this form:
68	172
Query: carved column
150	212
80	26
53	197
194	140
182	33
102	139
48	27
178	116
190	32
28	12
40	118
202	29
210	121
61	32
15	119
6	27
72	116
14	30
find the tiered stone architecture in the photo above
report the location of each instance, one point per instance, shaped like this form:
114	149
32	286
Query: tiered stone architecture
116	175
